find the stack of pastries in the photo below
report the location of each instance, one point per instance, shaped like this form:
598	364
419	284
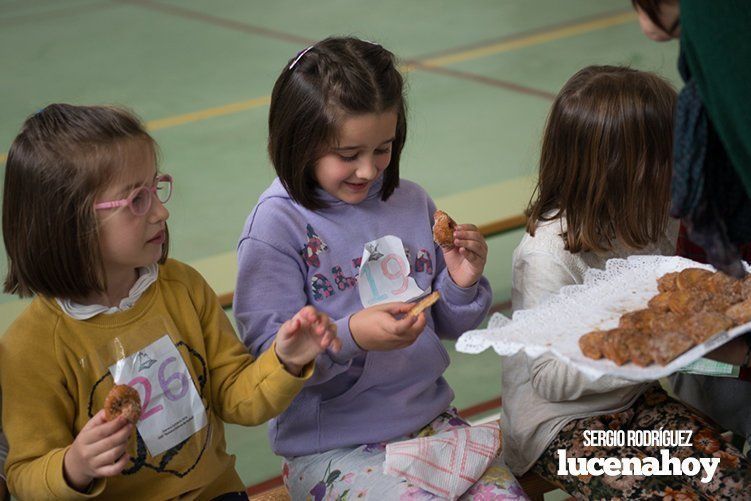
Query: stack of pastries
691	306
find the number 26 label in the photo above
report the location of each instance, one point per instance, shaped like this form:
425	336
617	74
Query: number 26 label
172	409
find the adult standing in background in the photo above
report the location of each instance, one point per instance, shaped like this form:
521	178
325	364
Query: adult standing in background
712	171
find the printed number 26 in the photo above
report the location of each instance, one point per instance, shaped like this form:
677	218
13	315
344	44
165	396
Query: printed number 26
164	384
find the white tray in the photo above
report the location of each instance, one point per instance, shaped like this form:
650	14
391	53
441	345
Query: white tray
556	325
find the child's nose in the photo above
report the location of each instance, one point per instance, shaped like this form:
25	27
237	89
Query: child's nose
367	168
158	211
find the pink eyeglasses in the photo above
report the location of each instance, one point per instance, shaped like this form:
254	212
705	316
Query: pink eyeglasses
140	199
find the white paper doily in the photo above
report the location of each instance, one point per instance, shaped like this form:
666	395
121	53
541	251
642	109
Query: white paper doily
556	325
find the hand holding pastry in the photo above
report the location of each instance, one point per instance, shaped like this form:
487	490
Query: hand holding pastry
465	254
386	327
99	450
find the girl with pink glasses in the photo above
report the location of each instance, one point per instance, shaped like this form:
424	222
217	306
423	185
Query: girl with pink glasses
85	229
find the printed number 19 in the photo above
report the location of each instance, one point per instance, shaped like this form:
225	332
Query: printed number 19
398	274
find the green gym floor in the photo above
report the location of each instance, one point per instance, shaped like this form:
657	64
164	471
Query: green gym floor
481	76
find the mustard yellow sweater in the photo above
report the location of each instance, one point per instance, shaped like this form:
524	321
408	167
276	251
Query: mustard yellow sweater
54	377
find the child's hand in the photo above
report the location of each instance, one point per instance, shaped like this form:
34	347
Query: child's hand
303	337
98	451
466	260
377	328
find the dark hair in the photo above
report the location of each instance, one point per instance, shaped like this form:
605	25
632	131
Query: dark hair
62	159
335	78
606	159
652	9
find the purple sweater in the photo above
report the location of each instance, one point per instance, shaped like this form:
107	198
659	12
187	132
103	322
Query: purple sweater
290	256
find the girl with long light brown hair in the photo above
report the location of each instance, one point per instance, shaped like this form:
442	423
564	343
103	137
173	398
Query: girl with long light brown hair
603	192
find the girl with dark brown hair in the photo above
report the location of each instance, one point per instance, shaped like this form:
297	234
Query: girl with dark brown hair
603	192
339	229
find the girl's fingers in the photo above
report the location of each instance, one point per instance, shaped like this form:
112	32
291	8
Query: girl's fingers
395	308
330	341
403	325
323	323
419	324
108	457
309	313
102	430
332	328
113	469
469	255
471	245
91	430
290	328
336	345
325	341
470	235
467	227
117	439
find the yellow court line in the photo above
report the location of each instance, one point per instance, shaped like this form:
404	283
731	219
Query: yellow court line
196	116
537	39
477	53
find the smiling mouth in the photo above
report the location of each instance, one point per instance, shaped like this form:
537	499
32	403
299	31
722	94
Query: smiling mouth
356	186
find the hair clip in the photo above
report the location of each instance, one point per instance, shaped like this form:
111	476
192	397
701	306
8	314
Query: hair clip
299	56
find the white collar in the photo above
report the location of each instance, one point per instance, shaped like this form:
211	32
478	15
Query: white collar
146	277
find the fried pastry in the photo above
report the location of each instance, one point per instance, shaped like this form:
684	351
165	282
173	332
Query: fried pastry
704	325
122	400
740	313
669	345
691	306
717	304
639	347
666	322
443	229
666	283
591	343
639	319
691	277
724	285
424	303
684	301
615	345
661	302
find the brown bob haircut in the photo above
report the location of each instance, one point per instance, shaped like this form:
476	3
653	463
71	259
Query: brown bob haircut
62	159
606	159
336	78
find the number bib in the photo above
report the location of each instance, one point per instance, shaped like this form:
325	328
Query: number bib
171	408
384	273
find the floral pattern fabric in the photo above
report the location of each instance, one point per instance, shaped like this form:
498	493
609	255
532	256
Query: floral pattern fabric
357	473
653	410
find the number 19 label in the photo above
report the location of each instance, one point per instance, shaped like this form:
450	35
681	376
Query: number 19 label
385	273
